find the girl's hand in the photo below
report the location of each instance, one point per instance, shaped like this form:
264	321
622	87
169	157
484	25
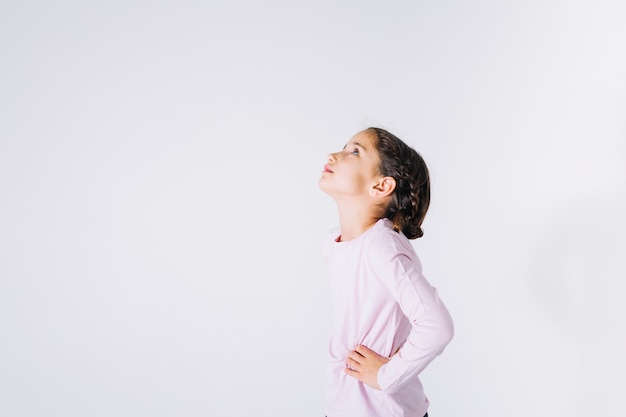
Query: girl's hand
363	364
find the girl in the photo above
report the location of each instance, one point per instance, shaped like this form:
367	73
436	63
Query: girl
389	322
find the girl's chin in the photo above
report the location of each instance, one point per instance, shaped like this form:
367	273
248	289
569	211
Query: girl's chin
324	186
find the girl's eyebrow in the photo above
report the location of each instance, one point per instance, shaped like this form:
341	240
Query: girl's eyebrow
355	144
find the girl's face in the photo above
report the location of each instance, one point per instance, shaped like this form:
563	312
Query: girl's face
353	171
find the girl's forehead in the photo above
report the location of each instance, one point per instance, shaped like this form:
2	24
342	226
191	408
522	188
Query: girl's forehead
363	138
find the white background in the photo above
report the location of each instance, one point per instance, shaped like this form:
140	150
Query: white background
160	220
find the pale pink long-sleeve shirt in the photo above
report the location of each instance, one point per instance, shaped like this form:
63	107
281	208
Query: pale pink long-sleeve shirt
382	301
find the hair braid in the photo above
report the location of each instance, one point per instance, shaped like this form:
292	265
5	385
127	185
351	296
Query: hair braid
411	198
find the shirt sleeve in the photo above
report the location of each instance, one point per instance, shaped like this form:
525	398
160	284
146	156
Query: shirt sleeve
397	266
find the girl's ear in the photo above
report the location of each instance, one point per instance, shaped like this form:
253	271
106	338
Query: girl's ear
384	187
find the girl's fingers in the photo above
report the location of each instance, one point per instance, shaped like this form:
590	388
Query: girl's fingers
363	351
355	356
352	364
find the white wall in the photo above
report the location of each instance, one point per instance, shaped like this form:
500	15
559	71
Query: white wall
160	218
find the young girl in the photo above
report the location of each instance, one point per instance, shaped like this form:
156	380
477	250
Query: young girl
389	322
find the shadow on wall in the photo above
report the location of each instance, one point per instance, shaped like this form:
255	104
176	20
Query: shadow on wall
578	284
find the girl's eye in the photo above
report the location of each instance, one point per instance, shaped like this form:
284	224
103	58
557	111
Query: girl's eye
355	151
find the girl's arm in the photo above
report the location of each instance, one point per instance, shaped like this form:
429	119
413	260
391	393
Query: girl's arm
395	263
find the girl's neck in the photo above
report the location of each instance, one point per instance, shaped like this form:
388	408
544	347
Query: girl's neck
355	223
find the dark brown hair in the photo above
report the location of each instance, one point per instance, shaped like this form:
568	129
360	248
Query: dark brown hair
411	198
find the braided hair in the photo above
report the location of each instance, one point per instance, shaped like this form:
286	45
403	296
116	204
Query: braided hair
411	197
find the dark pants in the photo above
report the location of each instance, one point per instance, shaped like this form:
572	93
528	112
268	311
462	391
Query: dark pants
426	415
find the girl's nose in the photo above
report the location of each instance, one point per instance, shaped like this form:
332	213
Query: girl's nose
331	157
